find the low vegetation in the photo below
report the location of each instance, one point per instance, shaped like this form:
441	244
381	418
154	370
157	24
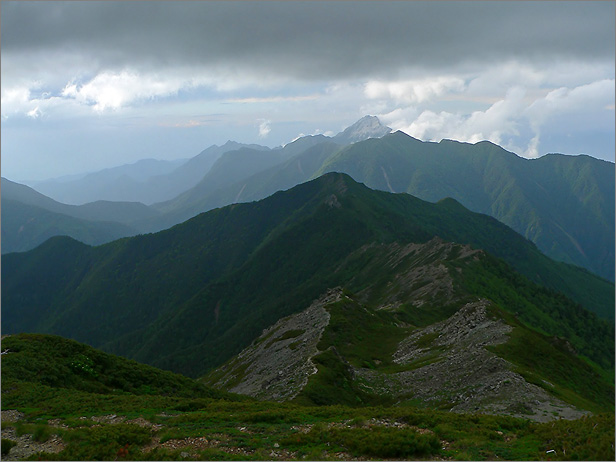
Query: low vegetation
178	418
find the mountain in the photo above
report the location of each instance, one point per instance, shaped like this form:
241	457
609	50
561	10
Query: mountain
146	181
121	212
564	204
190	173
342	351
151	181
124	183
30	218
365	128
237	164
190	297
229	169
64	363
25	227
255	187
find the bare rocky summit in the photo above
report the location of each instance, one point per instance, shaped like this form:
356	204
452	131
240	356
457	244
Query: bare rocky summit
365	128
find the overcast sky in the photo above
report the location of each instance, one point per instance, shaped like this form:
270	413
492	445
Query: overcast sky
89	85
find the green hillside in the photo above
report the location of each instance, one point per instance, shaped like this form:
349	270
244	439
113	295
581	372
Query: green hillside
30	218
188	298
106	211
564	204
25	227
232	167
254	187
60	363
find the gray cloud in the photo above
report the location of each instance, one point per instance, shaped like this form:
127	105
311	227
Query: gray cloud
309	40
111	82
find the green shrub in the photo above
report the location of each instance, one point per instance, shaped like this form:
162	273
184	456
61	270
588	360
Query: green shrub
379	442
41	433
7	445
109	442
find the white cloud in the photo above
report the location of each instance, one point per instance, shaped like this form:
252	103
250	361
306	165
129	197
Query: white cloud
492	124
501	118
400	118
34	113
564	111
532	150
432	126
15	100
414	91
493	81
264	128
517	121
104	92
110	90
580	99
272	99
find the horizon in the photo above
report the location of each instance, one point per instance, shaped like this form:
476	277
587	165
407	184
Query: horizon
181	161
82	94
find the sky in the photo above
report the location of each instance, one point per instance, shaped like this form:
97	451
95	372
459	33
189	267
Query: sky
90	85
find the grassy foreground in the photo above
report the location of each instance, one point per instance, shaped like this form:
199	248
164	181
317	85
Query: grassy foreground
67	401
208	429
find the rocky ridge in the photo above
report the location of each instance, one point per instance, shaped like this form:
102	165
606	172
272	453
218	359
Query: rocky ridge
278	364
449	365
445	365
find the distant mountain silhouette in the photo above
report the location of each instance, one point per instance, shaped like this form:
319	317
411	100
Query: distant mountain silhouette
147	181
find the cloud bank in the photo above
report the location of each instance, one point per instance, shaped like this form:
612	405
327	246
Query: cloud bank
516	73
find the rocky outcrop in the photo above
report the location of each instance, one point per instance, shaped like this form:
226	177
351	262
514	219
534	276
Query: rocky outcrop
278	364
449	365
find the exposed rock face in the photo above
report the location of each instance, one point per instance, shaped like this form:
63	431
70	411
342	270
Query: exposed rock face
470	329
278	364
420	275
454	367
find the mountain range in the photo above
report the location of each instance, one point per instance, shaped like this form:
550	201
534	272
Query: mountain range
235	271
147	181
31	217
314	275
151	181
565	204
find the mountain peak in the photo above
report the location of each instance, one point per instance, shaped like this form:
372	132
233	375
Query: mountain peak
366	127
335	182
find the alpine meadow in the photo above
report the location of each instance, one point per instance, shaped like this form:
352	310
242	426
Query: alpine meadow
211	252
